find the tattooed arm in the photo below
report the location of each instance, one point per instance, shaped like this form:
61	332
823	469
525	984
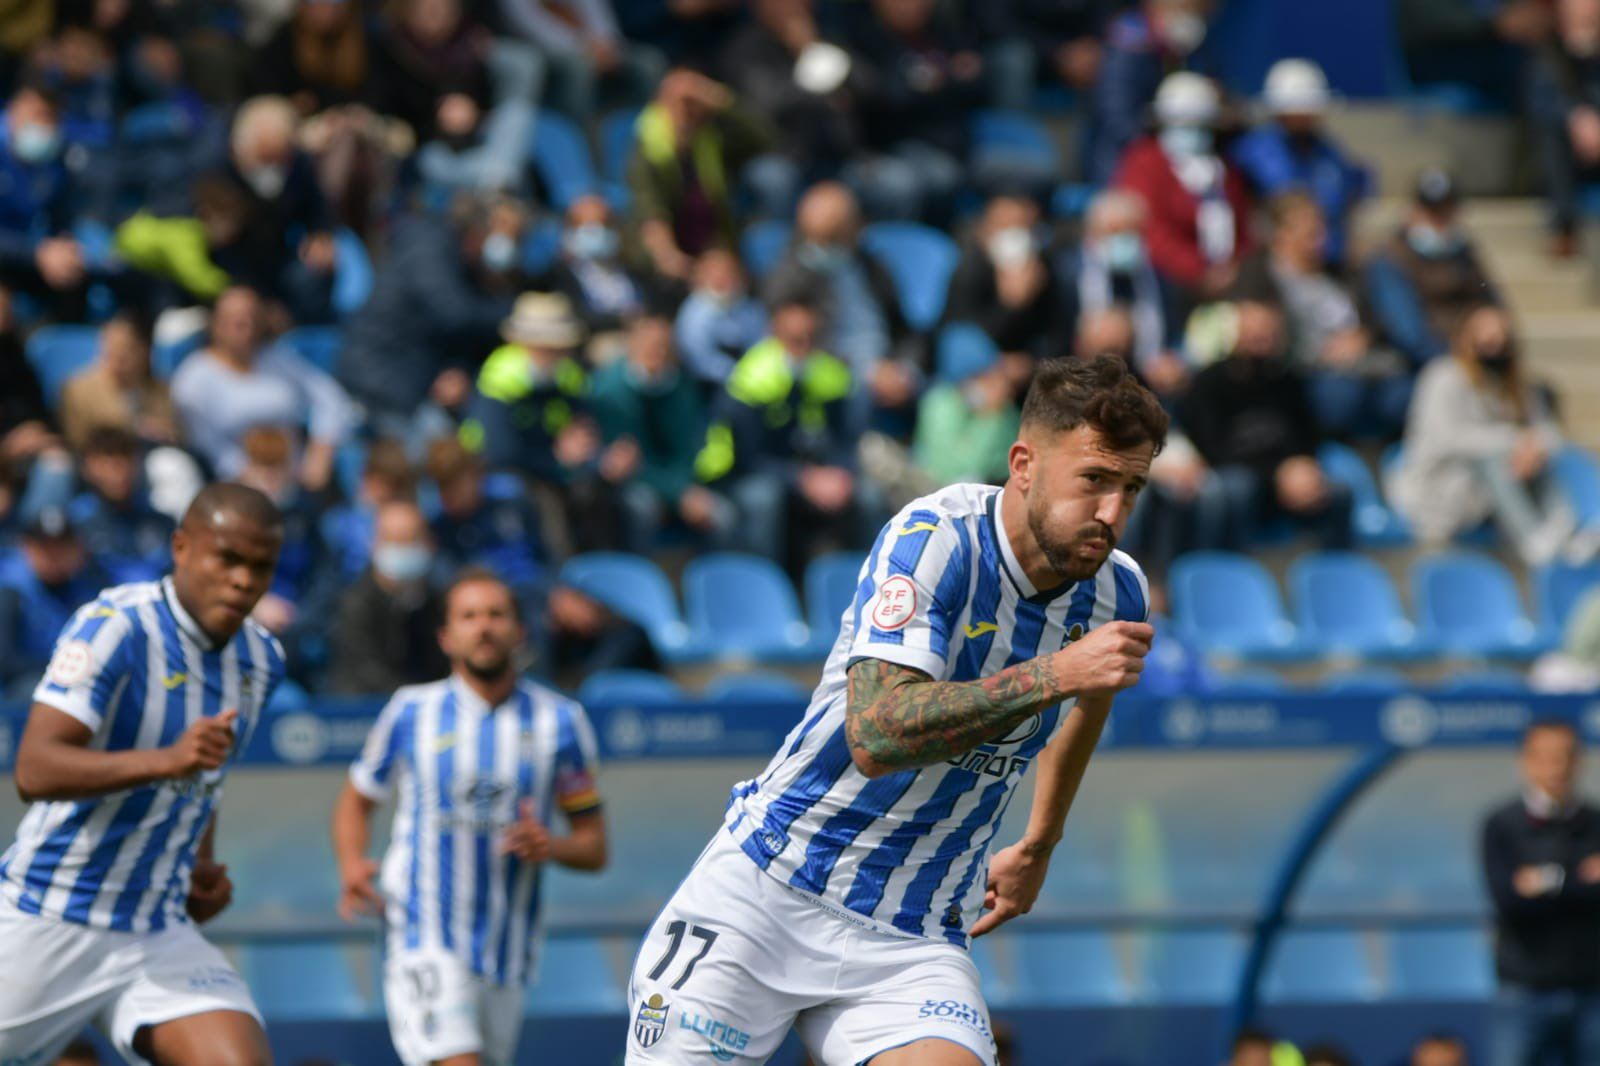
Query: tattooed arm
898	718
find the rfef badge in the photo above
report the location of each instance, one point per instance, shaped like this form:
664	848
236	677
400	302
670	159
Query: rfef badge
651	1021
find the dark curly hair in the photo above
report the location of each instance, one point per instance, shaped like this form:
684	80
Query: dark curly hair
1100	392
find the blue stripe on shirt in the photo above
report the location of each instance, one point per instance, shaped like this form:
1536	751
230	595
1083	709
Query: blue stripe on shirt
47	857
872	876
515	866
1130	597
985	605
919	894
445	761
827	766
841	830
480	846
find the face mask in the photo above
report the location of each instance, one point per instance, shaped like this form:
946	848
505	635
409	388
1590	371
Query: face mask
402	562
1182	142
1497	360
35	143
725	300
823	257
592	242
1010	247
499	252
267	181
1184	30
1124	252
1431	243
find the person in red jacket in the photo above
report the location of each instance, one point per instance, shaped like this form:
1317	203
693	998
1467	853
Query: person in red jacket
1197	227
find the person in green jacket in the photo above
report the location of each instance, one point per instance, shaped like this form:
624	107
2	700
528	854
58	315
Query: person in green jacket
967	421
646	403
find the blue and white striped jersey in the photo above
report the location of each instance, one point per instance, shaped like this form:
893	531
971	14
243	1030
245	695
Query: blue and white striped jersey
138	671
464	770
942	592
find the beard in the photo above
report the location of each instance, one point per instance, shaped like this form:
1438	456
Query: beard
488	664
1065	554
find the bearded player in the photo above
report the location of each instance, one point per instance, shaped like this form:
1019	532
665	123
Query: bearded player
990	630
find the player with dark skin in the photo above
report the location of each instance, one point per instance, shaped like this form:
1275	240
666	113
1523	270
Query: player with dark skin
224	553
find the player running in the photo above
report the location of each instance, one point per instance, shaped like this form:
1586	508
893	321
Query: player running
990	630
483	759
152	689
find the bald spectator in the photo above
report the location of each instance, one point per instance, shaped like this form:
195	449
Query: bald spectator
1006	284
1437	1049
1252	1047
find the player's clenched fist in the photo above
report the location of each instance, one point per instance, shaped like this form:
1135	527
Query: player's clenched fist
1109	659
204	745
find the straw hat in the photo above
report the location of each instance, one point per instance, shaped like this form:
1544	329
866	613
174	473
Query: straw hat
543	319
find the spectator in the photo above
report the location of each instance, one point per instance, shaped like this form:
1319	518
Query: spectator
484	521
117	391
1249	416
190	260
1428	279
919	74
239	381
1478	444
1064	36
412	351
854	295
1357	389
78	65
782	443
387	476
385	633
588	60
689	31
283	198
1005	284
1111	269
35	466
1198	209
720	320
1142	47
1564	110
967	422
690	146
113	515
591	274
38	254
1471	45
42	581
1293	150
648	402
1437	1049
1541	866
1252	1047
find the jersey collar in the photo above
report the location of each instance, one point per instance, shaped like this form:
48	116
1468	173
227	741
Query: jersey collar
467	699
185	621
1011	565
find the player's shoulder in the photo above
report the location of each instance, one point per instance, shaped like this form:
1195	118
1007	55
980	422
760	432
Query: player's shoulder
420	693
1132	586
566	708
119	604
951	503
277	658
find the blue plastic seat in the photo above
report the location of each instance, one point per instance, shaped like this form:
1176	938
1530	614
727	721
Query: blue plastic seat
1346	604
617	138
561	159
1468	604
921	260
1190	966
1375	681
762	245
352	273
57	352
1440	964
1579	477
743	606
541	245
1558	589
1069	968
576	978
1012	148
756	686
304	982
1229	605
1319	966
1377	525
831	582
629	686
999	990
317	345
635	588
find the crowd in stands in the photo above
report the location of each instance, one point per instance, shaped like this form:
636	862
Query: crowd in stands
363	257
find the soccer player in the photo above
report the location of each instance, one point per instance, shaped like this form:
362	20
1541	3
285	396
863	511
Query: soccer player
152	689
484	759
990	631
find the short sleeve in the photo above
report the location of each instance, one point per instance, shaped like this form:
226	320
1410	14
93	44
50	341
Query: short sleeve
90	661
372	773
577	763
1133	589
914	590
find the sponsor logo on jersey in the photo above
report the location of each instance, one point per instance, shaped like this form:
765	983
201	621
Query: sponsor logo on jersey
651	1020
896	604
956	1013
726	1040
918	527
977	630
172	681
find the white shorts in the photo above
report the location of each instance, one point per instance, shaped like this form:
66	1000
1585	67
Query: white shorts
59	977
737	958
438	1008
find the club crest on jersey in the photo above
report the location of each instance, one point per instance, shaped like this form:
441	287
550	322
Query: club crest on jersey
895	605
72	663
651	1020
1075	633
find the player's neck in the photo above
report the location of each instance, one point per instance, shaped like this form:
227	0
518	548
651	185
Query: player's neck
1029	556
493	691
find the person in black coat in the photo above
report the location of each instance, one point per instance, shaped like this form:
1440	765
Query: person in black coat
1541	865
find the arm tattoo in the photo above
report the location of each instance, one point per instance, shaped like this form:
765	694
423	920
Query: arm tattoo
898	718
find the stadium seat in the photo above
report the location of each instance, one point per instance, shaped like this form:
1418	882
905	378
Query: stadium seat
1377	525
304	982
1225	604
1468	604
920	259
616	145
1579	477
317	345
1440	964
629	686
831	582
1346	605
1191	966
57	352
576	977
1484	683
743	606
1010	149
762	246
561	159
635	588
541	245
1069	968
1376	682
1319	966
1557	589
352	272
756	686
